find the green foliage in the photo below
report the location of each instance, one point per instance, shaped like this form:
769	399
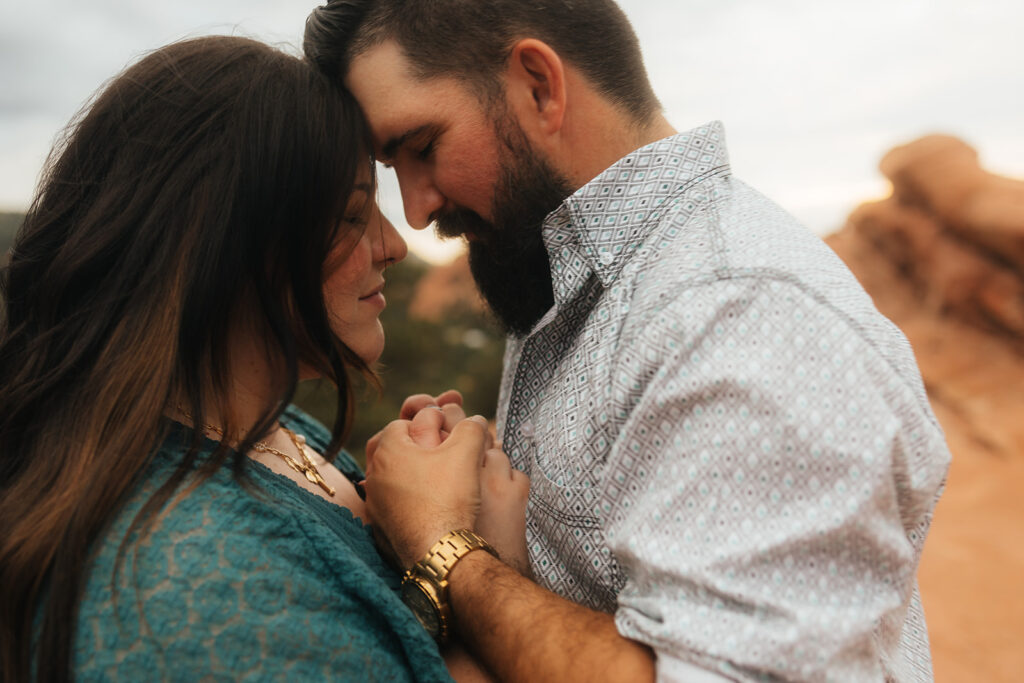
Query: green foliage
463	352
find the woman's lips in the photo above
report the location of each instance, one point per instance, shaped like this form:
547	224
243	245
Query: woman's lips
376	297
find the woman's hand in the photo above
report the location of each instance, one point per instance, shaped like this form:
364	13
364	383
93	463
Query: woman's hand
449	403
504	491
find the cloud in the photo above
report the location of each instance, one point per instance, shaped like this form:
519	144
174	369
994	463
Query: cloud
55	55
812	93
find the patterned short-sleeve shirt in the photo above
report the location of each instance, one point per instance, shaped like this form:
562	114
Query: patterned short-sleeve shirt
729	447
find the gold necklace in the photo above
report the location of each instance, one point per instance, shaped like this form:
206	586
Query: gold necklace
307	467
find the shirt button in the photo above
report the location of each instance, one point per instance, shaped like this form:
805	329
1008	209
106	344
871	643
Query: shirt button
606	258
527	429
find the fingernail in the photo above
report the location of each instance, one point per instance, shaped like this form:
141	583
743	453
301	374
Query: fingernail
480	419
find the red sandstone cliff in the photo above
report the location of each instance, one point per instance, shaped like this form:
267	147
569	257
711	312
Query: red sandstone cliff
943	258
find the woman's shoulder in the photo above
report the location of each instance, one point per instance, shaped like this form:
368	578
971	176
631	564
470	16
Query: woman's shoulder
236	581
233	518
260	507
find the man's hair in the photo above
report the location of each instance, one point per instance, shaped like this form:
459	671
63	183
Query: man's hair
472	40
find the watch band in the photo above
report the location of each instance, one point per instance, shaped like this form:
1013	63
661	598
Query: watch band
453	546
425	584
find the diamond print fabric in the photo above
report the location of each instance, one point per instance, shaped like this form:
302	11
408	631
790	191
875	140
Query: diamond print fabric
728	446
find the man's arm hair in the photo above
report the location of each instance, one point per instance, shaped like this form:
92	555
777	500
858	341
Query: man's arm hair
524	632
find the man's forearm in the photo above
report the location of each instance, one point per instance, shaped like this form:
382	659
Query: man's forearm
524	632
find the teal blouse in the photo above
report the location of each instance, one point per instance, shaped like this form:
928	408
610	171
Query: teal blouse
274	584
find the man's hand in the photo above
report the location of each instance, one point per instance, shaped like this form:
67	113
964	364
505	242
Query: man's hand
503	490
421	485
416	494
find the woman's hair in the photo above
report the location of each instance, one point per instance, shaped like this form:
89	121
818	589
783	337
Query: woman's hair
198	193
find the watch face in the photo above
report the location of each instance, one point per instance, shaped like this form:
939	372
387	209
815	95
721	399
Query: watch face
422	605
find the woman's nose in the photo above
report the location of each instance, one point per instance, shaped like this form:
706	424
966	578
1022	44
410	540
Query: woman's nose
391	248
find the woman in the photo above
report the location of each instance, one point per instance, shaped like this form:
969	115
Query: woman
167	290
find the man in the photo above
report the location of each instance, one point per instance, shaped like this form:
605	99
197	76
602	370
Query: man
732	458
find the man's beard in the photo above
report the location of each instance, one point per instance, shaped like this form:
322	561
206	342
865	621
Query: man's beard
507	256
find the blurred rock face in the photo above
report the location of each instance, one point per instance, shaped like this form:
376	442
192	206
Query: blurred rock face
444	290
955	231
943	258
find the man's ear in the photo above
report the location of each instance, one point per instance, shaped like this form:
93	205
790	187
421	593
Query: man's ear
536	88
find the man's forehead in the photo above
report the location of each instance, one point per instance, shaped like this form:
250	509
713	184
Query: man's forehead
391	99
399	106
379	74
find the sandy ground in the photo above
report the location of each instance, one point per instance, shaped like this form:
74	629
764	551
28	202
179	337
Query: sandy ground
972	570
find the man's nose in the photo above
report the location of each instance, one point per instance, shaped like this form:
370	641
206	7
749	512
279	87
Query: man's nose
420	198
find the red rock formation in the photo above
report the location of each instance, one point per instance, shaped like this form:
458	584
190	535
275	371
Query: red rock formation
943	258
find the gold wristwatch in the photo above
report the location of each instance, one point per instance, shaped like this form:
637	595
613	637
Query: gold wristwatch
425	585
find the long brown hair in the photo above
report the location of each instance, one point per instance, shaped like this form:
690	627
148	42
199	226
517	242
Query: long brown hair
209	178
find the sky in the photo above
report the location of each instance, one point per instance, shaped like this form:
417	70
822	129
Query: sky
812	92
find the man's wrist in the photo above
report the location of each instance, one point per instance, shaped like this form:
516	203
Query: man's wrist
496	611
425	586
473	564
466	578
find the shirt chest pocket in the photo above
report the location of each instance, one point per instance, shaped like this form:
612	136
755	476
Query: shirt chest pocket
565	532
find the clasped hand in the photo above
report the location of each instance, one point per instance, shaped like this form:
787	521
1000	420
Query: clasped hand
435	470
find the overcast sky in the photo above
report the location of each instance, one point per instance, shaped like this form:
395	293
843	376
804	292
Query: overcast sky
812	92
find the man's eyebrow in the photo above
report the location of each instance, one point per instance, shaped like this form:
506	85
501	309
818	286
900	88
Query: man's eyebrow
389	148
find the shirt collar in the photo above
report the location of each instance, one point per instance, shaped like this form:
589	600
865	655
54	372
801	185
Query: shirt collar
598	227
